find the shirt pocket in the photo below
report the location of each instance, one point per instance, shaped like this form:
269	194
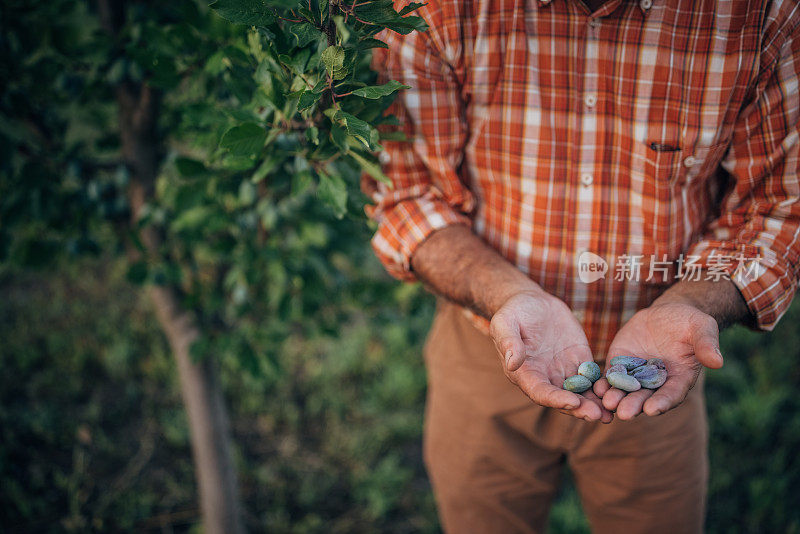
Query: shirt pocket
681	167
663	164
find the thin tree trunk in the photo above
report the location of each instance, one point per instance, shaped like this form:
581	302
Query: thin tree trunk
208	423
202	397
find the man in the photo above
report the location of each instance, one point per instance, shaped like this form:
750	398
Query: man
595	179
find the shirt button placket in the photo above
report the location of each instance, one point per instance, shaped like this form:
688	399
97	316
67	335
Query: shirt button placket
588	138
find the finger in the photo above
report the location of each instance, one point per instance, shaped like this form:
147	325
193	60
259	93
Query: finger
546	394
605	415
611	398
631	405
705	340
591	409
601	386
668	396
606	418
508	340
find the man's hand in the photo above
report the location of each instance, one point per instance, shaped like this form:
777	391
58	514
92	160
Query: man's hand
683	336
682	328
541	343
545	341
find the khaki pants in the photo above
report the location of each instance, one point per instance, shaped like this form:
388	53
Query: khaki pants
495	458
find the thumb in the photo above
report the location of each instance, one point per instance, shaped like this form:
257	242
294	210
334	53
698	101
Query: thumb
706	344
508	340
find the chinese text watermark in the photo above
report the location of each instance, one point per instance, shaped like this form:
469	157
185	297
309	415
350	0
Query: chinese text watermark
634	268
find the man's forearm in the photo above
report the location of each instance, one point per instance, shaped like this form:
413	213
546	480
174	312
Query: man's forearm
719	299
458	265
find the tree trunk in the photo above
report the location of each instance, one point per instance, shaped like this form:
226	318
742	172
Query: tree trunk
202	397
208	423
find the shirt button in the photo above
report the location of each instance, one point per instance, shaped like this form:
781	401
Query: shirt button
594	23
544	1
590	99
587	179
646	4
690	161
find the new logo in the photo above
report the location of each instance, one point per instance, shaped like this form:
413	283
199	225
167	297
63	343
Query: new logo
591	267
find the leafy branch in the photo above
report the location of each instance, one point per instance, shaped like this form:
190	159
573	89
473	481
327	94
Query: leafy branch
312	63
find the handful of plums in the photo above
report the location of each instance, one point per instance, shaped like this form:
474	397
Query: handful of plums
627	373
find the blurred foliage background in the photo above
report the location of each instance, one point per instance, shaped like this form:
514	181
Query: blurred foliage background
253	200
93	436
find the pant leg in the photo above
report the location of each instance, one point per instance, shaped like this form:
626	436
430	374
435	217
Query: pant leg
648	475
492	455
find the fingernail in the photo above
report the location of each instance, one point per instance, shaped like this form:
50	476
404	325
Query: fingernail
508	355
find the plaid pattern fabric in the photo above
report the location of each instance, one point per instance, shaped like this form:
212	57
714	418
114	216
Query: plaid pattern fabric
658	133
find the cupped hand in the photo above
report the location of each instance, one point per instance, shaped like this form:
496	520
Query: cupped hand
685	338
541	343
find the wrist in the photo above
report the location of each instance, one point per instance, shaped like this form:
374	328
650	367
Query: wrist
719	299
675	297
503	294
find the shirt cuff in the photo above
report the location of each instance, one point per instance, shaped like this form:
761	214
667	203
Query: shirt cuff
764	279
406	226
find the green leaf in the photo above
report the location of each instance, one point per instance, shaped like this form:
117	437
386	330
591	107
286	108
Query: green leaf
359	129
301	181
244	140
238	163
247	193
307	99
251	12
413	6
306	14
333	191
393	136
297	60
189	167
305	33
377	91
339	138
373	169
192	218
370	42
216	63
333	59
391	120
312	134
320	85
382	13
341	29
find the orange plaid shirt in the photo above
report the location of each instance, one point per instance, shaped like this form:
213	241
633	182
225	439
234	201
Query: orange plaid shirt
658	135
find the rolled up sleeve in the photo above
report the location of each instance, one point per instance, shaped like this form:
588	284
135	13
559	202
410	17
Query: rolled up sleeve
427	193
759	221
